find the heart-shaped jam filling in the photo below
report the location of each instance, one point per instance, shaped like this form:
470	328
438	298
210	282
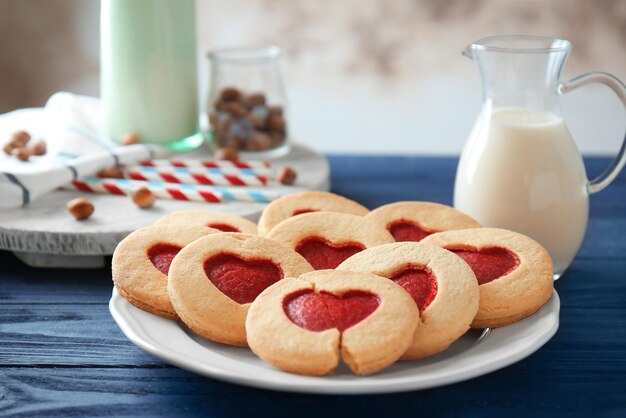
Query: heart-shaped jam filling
490	263
407	231
421	284
322	311
224	227
301	211
162	255
241	280
323	255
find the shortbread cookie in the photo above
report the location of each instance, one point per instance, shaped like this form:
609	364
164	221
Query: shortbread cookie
326	239
412	221
141	262
213	281
225	222
301	324
514	272
443	287
299	203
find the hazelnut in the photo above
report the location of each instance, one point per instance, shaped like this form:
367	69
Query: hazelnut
218	105
259	142
253	100
287	175
257	122
222	141
212	118
130	138
8	148
80	208
276	123
275	110
39	147
143	197
222	123
234	108
20	138
236	143
260	112
110	173
241	128
278	138
230	94
226	153
21	154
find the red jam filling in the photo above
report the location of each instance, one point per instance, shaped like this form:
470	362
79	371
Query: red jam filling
224	227
490	263
420	283
241	280
323	255
162	255
407	231
301	211
322	311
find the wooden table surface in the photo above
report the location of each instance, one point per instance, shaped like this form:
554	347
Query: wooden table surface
61	354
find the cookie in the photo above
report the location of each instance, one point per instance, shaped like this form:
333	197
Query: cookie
141	262
514	272
412	221
299	203
442	286
213	281
225	222
326	239
301	325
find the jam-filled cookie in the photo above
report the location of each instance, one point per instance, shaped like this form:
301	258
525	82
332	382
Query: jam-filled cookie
412	221
514	272
301	324
326	239
214	280
142	260
225	222
305	202
443	287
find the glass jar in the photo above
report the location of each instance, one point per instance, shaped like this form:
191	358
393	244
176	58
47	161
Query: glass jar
246	103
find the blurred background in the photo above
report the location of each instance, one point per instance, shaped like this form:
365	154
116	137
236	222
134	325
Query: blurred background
362	76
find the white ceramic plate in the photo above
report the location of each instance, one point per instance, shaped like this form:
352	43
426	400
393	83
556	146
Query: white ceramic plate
475	354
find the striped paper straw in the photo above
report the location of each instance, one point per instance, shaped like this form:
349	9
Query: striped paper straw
197	193
207	176
258	171
223	164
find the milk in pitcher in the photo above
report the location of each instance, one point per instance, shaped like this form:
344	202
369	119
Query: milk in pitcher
521	170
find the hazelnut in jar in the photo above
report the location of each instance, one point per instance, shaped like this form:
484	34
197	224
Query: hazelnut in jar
247	106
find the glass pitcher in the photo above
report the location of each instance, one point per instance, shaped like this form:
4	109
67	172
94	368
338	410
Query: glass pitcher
520	168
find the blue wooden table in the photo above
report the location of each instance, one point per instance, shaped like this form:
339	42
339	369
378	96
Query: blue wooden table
61	354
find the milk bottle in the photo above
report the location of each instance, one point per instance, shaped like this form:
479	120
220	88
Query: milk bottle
148	71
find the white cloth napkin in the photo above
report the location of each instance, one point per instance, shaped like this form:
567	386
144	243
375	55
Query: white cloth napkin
70	125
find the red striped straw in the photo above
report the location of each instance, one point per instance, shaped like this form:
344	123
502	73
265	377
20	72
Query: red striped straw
195	176
222	164
198	193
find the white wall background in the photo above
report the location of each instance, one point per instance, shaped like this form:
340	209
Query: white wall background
363	76
387	76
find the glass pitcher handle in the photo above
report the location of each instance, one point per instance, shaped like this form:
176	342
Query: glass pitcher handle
619	88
